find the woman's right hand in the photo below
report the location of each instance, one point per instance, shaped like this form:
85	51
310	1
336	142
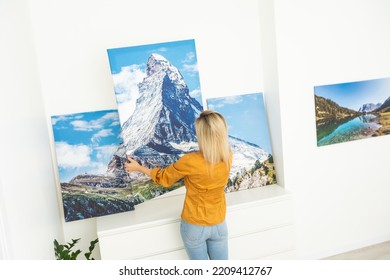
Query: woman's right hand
133	165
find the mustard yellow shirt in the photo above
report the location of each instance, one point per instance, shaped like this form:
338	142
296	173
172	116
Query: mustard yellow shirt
204	202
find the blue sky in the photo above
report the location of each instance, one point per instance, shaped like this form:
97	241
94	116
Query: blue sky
246	117
85	142
128	67
353	95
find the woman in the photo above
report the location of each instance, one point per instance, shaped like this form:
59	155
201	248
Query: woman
203	227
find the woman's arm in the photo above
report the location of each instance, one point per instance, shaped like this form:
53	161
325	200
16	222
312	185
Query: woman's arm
133	165
166	176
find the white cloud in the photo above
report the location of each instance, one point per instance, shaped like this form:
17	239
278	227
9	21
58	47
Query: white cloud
126	89
65	118
100	134
211	107
73	156
85	126
216	106
105	152
191	69
195	93
189	64
112	116
77	117
98	167
115	123
229	100
232	99
189	58
80	125
103	155
54	120
162	49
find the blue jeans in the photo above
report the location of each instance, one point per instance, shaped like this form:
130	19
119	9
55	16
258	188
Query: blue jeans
205	242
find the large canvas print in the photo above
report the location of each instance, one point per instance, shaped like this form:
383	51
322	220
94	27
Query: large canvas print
249	139
352	111
85	144
157	90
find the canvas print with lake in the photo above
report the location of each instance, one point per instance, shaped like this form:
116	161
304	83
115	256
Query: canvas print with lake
352	111
84	145
157	90
249	138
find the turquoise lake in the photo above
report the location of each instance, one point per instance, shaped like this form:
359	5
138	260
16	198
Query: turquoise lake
358	128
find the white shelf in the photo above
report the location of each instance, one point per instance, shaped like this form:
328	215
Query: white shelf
152	231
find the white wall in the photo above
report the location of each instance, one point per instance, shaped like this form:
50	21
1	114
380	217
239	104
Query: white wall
341	191
271	82
3	240
28	210
72	38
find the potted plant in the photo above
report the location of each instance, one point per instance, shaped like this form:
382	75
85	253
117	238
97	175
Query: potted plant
66	251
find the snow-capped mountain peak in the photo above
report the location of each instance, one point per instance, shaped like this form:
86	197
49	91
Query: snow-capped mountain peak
164	116
245	155
156	63
164	110
369	107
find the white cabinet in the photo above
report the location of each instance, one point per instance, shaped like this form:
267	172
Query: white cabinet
260	223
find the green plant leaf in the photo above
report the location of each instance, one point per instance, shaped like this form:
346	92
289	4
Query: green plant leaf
65	251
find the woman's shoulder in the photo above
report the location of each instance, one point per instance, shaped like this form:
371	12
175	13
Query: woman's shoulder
193	156
191	159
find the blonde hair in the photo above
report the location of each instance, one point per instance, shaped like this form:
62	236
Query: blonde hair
212	133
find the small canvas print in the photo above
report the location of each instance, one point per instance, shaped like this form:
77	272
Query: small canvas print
84	145
157	90
249	139
352	111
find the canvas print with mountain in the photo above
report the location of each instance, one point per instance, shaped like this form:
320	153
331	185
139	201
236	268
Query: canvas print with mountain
157	90
85	144
249	139
352	111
